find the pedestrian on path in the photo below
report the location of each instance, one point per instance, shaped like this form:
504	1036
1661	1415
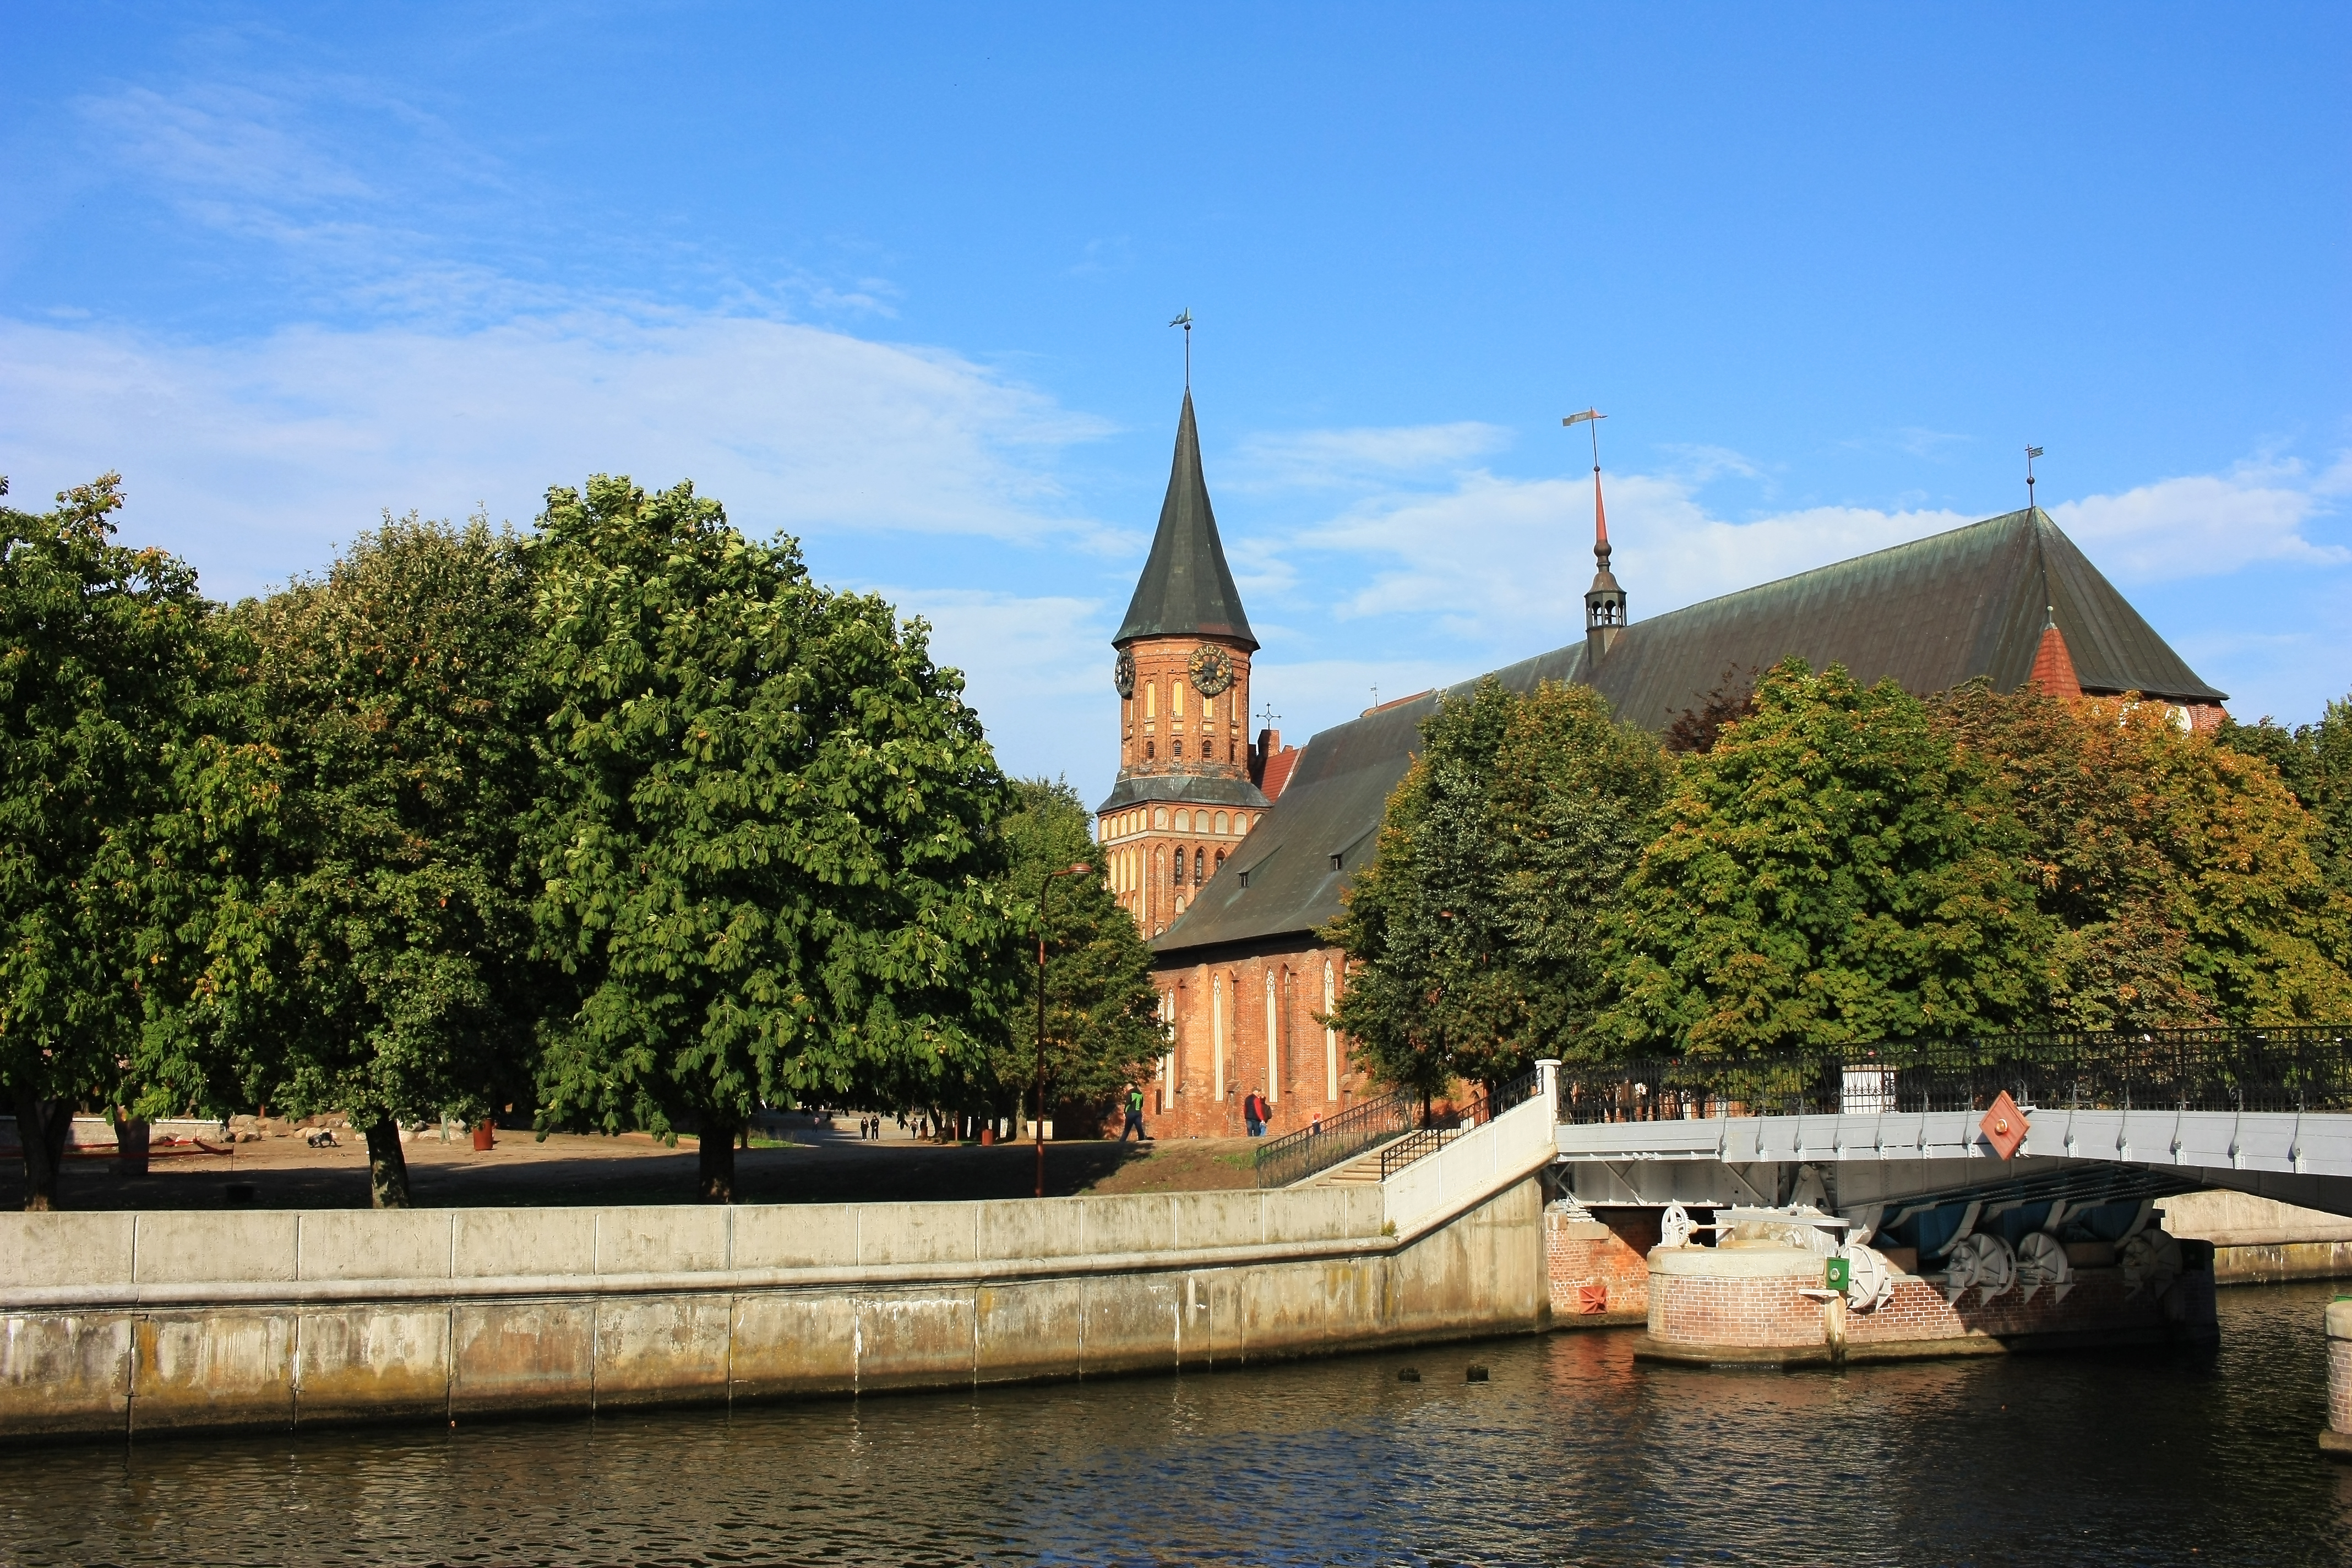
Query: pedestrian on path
1258	1113
1134	1117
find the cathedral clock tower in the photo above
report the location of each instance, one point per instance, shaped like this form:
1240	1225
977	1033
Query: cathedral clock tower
1184	797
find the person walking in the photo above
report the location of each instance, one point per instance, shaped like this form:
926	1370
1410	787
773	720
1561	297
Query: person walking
1134	1117
1258	1113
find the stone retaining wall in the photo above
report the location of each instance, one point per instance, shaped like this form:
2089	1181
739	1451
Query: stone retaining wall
112	1323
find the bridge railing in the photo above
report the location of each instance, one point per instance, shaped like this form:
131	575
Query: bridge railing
1360	1128
2299	1068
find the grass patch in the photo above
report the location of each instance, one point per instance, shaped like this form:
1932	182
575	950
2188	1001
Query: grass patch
1238	1161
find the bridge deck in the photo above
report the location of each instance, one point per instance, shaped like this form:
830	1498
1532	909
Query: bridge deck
2303	1158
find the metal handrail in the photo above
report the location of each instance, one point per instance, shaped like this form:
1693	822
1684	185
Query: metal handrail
1294	1156
2302	1068
1480	1110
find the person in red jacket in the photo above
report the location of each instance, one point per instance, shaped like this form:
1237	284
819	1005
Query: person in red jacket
1258	1113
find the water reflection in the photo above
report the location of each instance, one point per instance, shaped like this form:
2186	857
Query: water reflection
1571	1454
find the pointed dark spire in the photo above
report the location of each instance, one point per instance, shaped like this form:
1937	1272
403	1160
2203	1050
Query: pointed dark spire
1186	588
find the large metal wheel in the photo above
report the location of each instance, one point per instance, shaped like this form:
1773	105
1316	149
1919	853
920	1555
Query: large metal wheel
2041	1260
1984	1261
1870	1281
2150	1260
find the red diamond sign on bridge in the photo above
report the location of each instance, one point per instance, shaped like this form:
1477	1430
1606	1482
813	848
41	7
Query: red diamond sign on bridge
2003	1126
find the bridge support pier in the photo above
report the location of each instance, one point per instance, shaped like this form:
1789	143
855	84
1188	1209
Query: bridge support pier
2337	1438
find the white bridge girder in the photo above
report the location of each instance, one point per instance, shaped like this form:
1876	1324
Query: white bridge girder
2304	1159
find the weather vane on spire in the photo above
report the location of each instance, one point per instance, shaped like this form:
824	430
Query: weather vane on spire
1594	418
2030	453
1184	319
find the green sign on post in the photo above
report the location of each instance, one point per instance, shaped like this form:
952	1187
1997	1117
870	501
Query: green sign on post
1838	1275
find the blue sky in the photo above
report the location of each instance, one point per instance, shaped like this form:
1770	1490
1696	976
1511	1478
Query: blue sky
895	281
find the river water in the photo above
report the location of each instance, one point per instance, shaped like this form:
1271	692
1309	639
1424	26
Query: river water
1569	1454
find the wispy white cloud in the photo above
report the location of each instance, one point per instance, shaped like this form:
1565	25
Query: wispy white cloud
217	142
1344	458
1503	563
252	456
1700	464
1036	668
2205	524
1308	695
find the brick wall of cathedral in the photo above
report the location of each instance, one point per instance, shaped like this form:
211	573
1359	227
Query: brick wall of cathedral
1247	1023
1251	1023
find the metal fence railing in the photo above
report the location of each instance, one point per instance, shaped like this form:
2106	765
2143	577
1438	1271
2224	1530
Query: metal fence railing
1393	1123
1357	1129
2299	1068
1480	1110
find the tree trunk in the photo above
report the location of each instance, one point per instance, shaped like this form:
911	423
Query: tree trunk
131	1145
716	1183
387	1166
42	1128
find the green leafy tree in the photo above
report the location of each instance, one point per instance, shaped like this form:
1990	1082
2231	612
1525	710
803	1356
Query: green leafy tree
396	696
770	850
1473	936
1102	1021
1835	870
2185	880
121	805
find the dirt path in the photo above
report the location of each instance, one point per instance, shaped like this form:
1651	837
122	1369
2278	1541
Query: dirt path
819	1165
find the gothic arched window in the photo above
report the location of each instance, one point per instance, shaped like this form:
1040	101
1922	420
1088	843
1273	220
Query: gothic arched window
1200	867
1177	879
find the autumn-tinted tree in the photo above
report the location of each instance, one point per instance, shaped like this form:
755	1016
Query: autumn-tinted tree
2315	761
1473	936
1834	870
115	793
1102	1024
2184	881
770	847
396	695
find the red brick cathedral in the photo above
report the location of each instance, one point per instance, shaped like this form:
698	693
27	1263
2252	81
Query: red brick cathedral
1233	856
1191	788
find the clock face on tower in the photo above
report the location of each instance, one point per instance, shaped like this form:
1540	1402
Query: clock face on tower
1122	674
1212	669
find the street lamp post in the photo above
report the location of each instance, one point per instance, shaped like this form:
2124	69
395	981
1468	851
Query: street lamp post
1079	869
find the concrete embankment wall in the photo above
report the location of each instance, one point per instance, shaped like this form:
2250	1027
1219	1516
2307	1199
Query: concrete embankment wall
114	1323
2259	1241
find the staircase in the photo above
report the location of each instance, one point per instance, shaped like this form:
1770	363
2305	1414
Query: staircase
1377	1165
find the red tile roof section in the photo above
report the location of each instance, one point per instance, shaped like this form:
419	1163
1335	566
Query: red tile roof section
2054	666
1277	772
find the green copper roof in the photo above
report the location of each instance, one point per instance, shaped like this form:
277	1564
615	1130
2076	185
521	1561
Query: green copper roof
1186	588
1931	614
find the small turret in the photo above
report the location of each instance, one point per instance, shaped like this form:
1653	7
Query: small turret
1604	602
